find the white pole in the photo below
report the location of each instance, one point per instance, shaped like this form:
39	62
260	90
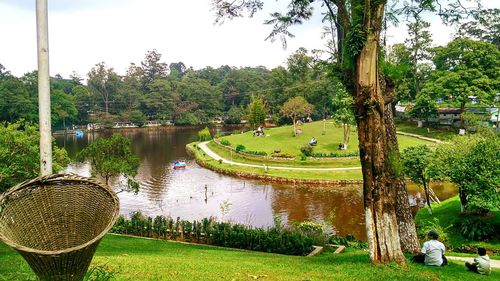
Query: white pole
44	88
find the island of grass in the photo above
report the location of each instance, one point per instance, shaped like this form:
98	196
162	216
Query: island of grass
280	155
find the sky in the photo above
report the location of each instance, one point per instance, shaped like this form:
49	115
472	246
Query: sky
83	33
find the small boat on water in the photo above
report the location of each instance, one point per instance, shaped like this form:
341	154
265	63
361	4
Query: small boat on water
179	165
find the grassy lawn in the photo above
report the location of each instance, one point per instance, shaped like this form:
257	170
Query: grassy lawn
286	174
447	213
281	138
311	163
437	133
140	259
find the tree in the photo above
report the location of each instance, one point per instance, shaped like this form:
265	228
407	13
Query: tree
177	70
84	102
15	102
20	154
418	166
152	68
419	45
299	65
465	68
63	107
343	111
359	25
111	157
485	27
473	164
294	108
132	87
424	108
103	83
234	115
256	112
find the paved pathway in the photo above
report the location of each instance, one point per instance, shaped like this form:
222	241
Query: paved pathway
493	263
419	137
217	157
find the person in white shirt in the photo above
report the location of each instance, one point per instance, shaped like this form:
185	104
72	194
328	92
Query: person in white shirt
432	252
481	264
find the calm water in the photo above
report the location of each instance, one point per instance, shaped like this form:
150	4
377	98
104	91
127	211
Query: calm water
195	192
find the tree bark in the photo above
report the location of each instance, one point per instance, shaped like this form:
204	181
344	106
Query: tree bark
379	192
406	224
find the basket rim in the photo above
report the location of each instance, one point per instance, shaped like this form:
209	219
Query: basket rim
62	177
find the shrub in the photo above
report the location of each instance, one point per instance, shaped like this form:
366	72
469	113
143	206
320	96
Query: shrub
240	147
204	135
261	153
225	142
276	239
306	150
314	231
476	229
335	154
434	225
282	155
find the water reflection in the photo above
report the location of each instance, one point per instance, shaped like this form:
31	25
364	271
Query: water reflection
195	192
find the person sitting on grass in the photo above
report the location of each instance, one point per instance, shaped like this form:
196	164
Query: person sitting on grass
481	264
432	252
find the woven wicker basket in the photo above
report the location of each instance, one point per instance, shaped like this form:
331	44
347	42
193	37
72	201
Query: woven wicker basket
56	223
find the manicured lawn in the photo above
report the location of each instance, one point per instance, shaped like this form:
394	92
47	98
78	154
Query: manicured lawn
140	259
437	133
281	138
287	174
311	163
447	213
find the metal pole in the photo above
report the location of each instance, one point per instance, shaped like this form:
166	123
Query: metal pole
44	87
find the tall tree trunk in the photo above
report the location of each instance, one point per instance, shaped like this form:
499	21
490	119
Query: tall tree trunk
427	199
406	224
379	192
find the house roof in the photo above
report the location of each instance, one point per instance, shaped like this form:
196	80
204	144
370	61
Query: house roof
449	110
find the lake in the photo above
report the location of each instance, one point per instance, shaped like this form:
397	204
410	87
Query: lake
196	192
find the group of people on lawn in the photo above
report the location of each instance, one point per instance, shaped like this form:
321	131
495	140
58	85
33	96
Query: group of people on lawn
432	253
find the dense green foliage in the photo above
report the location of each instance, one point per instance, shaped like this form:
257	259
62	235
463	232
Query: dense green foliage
276	239
110	157
424	108
473	164
465	68
171	93
460	232
256	112
20	154
418	165
204	135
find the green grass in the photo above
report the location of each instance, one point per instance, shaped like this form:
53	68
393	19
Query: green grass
259	160
281	138
443	134
447	213
141	259
286	174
